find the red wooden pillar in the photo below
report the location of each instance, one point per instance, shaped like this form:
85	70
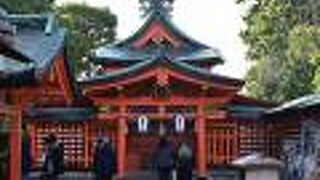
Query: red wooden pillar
201	144
15	145
121	145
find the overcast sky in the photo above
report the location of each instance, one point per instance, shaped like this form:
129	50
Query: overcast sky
214	22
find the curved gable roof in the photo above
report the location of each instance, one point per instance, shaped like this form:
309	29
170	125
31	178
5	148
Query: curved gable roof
146	65
125	51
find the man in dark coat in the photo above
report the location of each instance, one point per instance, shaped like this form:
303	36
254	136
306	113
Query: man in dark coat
60	157
53	159
104	160
26	157
185	162
165	159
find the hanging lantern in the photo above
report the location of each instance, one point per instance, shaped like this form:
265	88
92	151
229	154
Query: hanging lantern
143	123
180	123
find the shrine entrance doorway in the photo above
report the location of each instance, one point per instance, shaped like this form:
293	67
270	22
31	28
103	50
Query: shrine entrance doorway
142	146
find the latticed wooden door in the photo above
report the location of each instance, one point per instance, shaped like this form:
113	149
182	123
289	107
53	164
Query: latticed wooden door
69	134
222	142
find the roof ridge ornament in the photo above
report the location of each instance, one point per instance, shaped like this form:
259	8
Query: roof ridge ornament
157	7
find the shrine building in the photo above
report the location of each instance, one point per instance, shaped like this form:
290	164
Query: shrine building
157	82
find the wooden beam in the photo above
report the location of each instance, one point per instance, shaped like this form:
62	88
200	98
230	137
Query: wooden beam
159	116
128	101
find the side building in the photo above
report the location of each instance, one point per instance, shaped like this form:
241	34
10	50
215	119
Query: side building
33	72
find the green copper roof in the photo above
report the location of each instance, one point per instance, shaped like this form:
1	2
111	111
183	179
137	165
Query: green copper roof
9	65
15	73
113	55
38	38
124	52
30	47
300	103
146	65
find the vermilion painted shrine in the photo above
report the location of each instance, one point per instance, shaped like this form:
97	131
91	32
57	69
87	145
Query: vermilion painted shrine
157	81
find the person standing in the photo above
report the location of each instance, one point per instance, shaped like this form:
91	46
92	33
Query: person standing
53	159
26	157
60	157
165	159
185	162
104	160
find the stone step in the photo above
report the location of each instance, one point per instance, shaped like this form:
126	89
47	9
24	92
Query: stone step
138	175
67	176
144	175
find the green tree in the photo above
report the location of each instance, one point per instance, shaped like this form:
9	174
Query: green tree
304	46
283	43
88	27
